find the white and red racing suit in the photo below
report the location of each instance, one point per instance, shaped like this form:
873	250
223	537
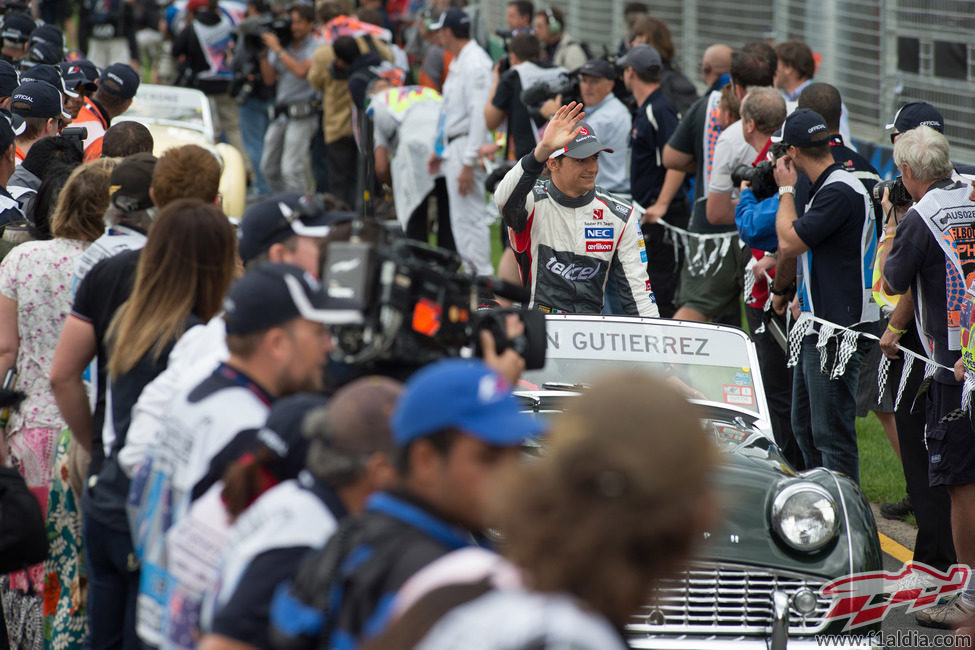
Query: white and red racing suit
566	247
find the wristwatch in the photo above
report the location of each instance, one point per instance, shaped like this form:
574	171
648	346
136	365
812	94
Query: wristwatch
787	189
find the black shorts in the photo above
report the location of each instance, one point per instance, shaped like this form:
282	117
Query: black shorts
950	440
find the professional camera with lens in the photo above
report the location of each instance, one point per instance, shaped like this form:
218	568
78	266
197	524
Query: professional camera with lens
899	196
247	58
550	86
760	176
416	305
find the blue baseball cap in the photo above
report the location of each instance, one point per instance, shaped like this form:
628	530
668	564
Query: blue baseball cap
41	53
466	395
80	73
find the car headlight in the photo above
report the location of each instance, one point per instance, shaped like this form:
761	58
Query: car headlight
805	516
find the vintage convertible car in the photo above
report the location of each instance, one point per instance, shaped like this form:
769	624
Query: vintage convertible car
758	576
178	116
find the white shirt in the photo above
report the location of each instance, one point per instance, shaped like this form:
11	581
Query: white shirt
465	93
612	124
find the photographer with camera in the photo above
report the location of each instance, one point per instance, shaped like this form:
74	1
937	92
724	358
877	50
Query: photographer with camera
524	52
252	95
835	242
563	273
286	162
203	49
932	257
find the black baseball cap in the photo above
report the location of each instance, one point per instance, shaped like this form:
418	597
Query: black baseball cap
272	294
598	68
48	34
283	434
642	58
803	128
915	114
17	27
130	181
10	127
8	79
38	53
119	79
37	99
277	218
49	73
79	73
584	145
454	19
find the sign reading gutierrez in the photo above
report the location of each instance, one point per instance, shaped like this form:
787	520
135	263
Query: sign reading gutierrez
658	343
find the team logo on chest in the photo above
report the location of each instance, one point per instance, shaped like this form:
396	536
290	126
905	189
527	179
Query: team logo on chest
599	239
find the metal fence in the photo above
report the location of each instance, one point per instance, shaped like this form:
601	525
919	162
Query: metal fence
881	54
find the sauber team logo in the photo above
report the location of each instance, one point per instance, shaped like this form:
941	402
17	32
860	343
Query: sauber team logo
866	598
584	131
597	214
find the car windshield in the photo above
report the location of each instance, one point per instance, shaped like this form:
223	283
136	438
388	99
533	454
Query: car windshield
169	105
705	362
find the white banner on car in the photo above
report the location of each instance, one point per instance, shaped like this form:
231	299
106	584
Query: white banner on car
638	341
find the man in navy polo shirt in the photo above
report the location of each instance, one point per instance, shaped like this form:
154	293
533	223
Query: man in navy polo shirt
655	122
834	242
448	452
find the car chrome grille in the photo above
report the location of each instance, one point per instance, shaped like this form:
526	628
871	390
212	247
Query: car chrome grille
726	599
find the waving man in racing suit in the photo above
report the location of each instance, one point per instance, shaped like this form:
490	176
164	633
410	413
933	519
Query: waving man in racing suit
568	234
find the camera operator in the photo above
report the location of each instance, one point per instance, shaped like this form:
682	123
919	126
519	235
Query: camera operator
117	86
253	96
286	160
203	49
835	242
932	256
566	274
560	48
524	51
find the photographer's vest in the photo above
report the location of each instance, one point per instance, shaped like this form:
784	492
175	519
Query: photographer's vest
529	74
950	216
869	311
92	118
216	42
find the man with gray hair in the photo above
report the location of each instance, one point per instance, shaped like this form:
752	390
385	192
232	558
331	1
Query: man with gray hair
349	458
932	256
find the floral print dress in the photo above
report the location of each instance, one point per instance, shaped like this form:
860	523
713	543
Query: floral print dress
38	277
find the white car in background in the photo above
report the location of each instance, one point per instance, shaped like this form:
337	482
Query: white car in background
177	116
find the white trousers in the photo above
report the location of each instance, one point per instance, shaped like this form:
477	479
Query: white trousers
103	52
469	218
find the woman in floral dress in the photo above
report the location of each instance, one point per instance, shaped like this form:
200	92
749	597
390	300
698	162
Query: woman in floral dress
35	298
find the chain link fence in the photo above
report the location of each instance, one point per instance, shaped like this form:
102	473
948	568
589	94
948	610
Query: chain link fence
881	54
